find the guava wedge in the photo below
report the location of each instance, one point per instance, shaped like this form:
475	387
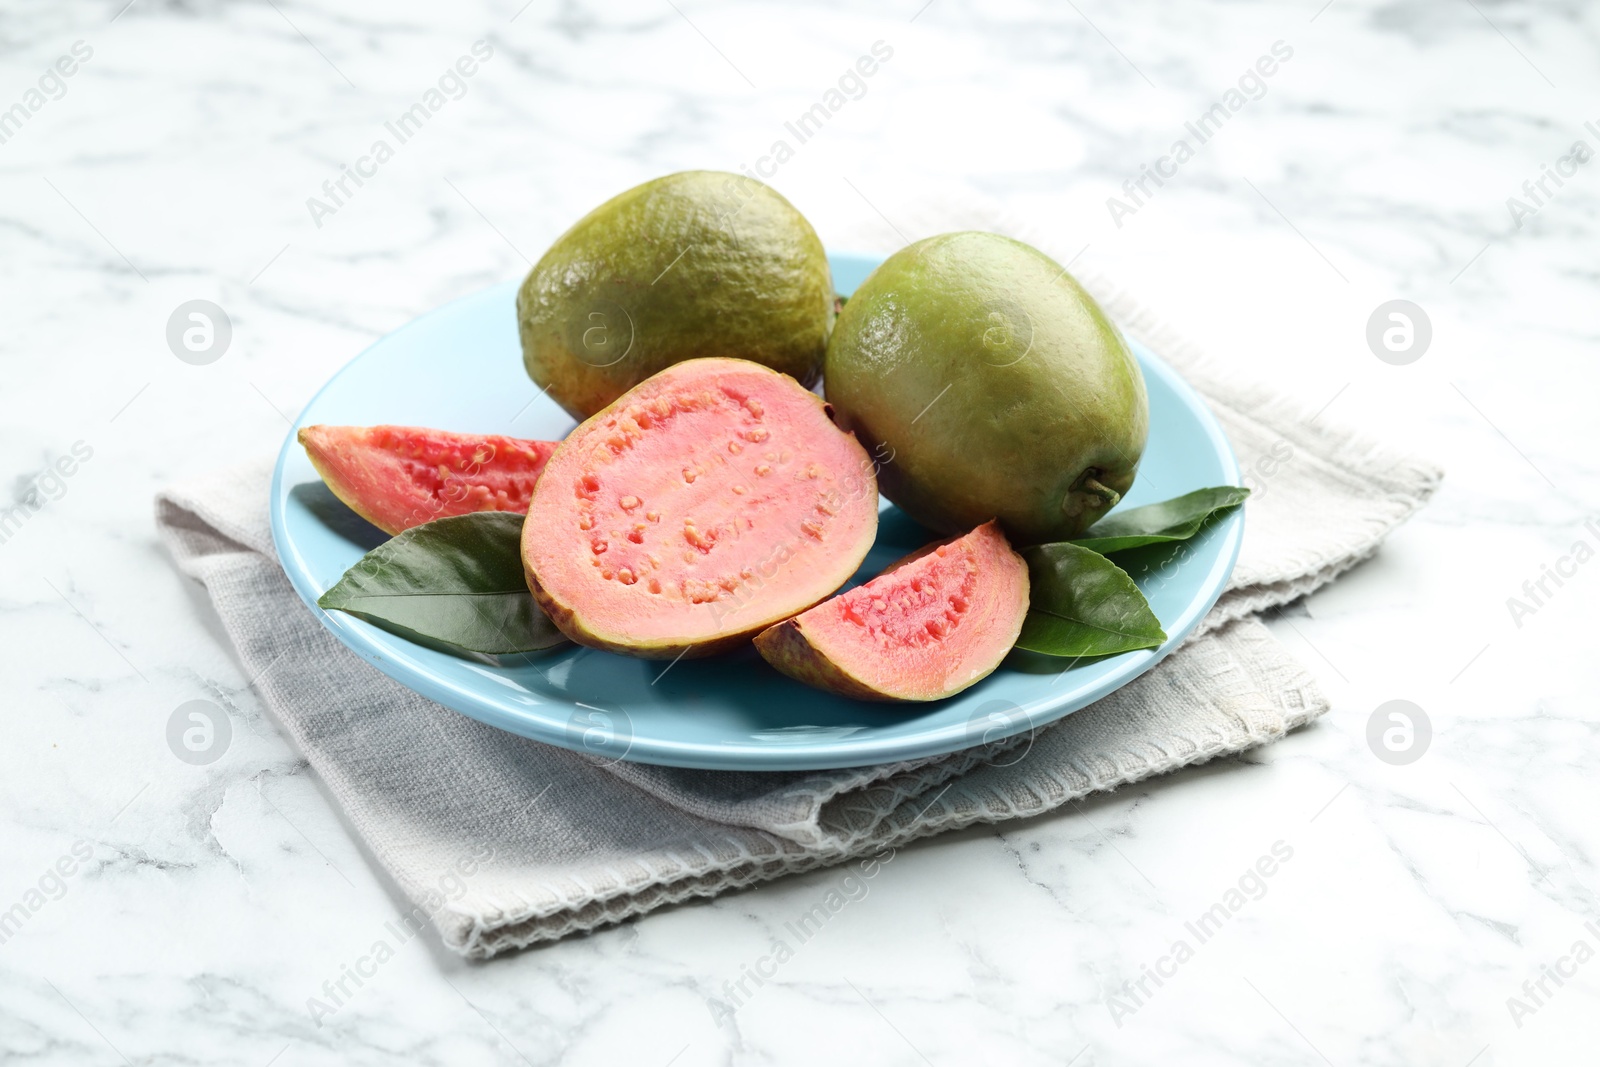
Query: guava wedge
699	508
931	625
397	477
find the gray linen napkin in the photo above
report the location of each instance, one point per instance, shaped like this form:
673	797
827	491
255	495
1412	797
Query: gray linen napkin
503	842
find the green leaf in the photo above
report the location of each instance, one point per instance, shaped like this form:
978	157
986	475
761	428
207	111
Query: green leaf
454	583
1082	604
1177	519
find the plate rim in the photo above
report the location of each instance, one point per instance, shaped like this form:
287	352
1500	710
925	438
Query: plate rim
375	645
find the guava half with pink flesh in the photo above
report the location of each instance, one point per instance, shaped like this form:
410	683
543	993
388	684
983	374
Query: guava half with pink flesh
397	477
931	625
703	505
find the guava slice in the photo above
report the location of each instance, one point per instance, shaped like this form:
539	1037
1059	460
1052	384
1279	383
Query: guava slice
397	477
931	625
703	505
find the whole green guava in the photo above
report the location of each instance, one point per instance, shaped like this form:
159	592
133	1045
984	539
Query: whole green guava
695	264
989	385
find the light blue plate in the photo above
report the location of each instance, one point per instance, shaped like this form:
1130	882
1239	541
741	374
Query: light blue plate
460	368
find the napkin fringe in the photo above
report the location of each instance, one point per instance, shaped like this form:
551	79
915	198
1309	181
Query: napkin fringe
583	905
894	813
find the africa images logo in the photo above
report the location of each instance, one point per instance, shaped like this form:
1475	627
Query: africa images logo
410	122
52	85
1250	86
48	485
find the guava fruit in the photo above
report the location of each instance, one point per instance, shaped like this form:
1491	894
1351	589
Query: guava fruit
697	264
700	507
989	384
928	627
397	477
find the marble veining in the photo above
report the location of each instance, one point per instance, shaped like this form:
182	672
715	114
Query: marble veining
1439	912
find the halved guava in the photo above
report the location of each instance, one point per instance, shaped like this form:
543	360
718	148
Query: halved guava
931	625
397	477
703	505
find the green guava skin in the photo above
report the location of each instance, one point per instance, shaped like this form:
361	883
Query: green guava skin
700	263
988	384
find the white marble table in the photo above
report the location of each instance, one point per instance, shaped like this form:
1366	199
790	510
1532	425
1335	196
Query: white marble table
205	904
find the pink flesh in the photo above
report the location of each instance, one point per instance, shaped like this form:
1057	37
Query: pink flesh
403	476
930	620
710	500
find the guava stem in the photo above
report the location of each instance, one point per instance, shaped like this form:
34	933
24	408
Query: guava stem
1092	485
